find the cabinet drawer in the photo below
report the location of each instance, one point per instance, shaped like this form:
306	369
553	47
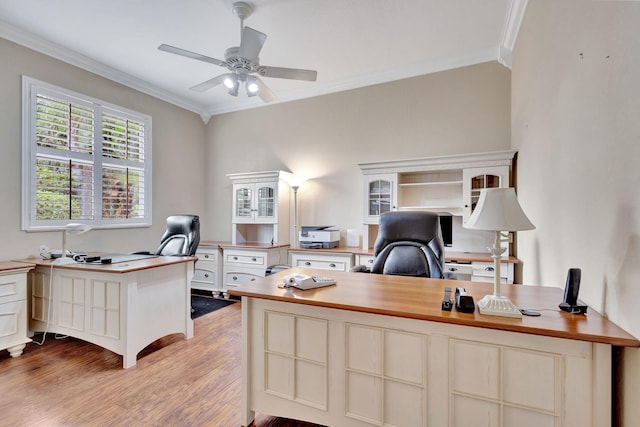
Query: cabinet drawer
452	267
366	260
13	287
249	259
239	278
486	269
204	276
207	256
322	262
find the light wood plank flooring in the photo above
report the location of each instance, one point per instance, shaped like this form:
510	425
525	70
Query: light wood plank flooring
176	382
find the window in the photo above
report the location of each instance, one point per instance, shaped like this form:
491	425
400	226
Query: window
84	160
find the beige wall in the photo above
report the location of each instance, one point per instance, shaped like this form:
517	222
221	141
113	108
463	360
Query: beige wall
576	115
178	166
324	138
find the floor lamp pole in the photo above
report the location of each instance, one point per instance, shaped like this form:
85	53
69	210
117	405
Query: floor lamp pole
295	215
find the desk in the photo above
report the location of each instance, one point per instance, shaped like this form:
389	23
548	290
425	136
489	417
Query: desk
122	307
13	306
378	350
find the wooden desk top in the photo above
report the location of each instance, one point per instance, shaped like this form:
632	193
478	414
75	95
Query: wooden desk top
120	267
14	266
420	298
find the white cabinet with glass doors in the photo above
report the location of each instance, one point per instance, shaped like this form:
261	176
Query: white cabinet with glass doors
447	185
380	196
260	204
476	179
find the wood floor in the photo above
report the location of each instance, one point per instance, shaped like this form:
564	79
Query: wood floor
176	382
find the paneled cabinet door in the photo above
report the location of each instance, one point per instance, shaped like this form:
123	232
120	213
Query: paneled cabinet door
255	203
380	196
475	179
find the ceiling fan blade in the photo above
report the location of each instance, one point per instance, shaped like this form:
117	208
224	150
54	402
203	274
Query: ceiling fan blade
288	73
251	43
264	92
192	55
210	83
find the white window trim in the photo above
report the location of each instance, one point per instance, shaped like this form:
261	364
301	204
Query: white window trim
30	88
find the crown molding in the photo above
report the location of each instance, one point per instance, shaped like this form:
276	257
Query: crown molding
512	24
426	67
71	57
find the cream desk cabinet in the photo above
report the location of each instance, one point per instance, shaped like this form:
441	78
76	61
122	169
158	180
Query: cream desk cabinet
244	263
207	275
13	306
122	307
377	350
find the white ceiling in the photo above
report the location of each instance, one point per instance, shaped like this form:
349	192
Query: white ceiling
351	43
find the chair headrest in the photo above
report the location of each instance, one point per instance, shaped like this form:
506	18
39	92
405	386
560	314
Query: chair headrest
419	227
183	225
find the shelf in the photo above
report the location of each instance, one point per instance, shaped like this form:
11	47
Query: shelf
426	184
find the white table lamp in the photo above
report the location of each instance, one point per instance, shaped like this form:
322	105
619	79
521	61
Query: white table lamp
72	228
498	210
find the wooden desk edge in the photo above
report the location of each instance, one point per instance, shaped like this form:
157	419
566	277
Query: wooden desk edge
121	267
601	330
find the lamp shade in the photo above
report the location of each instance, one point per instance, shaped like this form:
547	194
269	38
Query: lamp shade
498	210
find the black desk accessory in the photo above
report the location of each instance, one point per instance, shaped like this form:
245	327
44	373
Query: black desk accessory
447	301
464	302
571	289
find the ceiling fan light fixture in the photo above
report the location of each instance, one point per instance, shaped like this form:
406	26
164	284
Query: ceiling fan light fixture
252	86
230	81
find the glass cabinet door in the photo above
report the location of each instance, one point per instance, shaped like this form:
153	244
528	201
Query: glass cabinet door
379	197
266	202
479	182
242	199
475	179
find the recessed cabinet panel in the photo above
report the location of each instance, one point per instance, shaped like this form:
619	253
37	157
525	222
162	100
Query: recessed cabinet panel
279	375
311	339
364	397
468	412
311	383
475	369
71	314
405	356
364	349
9	318
279	330
529	379
403	404
521	417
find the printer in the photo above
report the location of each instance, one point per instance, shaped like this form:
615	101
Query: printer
319	237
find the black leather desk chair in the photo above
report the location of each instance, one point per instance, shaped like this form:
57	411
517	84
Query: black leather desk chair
409	244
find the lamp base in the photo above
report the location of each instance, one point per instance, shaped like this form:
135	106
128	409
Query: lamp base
496	305
64	260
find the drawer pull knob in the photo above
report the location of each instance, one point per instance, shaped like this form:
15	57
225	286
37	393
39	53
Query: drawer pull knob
488	269
332	265
206	256
253	259
235	258
369	261
253	280
206	275
235	277
453	269
307	263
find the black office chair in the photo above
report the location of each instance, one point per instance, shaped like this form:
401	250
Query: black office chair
409	244
181	237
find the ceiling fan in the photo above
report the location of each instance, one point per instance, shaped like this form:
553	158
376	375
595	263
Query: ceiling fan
243	63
